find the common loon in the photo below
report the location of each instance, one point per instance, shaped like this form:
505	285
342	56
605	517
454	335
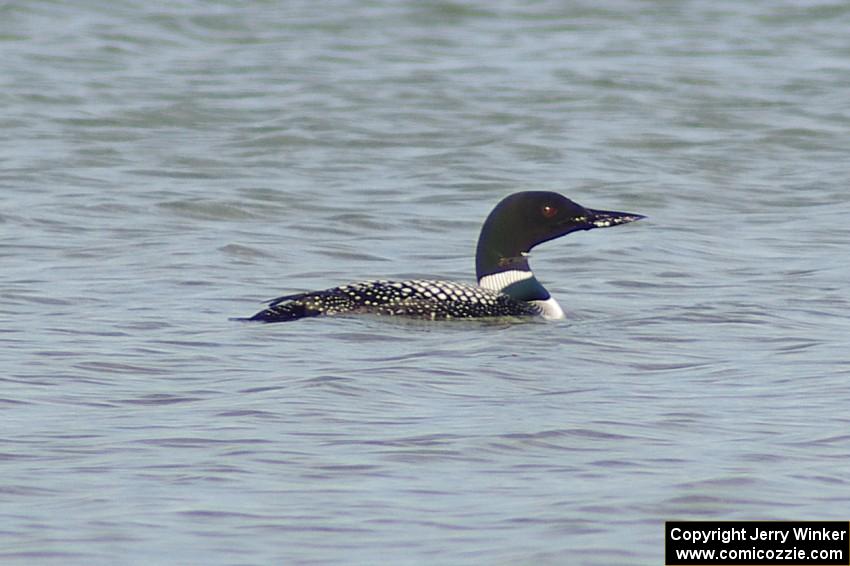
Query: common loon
506	285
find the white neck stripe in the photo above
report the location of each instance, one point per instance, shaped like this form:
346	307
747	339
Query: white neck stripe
498	281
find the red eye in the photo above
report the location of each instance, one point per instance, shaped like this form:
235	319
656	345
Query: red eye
548	211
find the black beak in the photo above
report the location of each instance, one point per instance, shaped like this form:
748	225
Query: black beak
608	218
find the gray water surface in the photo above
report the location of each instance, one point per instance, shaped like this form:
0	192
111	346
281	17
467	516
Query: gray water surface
166	166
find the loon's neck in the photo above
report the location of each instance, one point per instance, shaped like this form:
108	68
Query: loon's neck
501	264
522	285
517	280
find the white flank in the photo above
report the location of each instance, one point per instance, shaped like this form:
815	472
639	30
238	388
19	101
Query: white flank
550	309
498	281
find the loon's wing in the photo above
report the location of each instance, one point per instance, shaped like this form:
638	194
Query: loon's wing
295	297
303	305
364	296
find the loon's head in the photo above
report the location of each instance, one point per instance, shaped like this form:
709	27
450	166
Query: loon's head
522	221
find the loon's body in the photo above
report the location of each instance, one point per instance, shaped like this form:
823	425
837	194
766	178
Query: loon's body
416	298
506	285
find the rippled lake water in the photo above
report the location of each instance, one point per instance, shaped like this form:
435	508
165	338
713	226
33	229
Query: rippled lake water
166	166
